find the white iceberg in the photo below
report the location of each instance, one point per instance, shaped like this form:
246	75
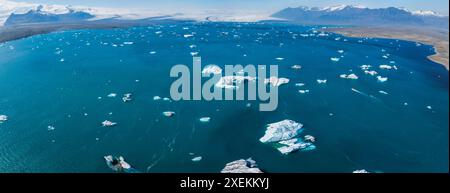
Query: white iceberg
296	67
383	92
371	72
232	82
156	98
350	76
280	59
112	95
212	69
321	81
241	166
188	35
169	113
335	59
386	67
300	84
275	81
3	118
126	97
382	79
296	144
197	159
283	130
360	171
303	91
205	119
107	123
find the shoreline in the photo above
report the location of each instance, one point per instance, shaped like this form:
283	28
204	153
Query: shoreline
434	37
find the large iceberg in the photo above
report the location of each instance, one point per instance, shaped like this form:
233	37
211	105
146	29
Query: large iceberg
295	144
283	130
241	166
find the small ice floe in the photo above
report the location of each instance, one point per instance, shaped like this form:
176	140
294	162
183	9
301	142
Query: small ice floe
350	76
405	104
340	51
205	119
299	84
85	114
385	67
429	107
365	67
335	59
212	69
283	130
192	46
233	82
241	166
166	99
126	97
153	52
310	138
169	113
128	43
324	81
279	59
107	123
382	79
197	159
3	118
291	145
275	81
371	72
112	95
156	98
50	128
385	56
296	67
194	53
62	60
361	171
383	92
188	35
303	91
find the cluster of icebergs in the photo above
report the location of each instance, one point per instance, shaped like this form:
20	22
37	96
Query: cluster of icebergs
284	136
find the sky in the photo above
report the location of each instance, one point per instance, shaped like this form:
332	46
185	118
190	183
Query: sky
440	6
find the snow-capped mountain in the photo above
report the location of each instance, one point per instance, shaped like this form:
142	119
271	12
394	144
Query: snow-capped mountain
360	15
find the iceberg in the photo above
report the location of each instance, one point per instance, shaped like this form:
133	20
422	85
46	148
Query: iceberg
310	138
386	67
156	98
241	166
232	82
280	59
371	72
128	43
197	159
205	119
383	92
188	35
212	69
112	95
303	91
283	130
296	144
126	97
335	59
107	123
3	118
50	128
382	79
300	84
296	67
365	67
275	81
350	76
360	171
321	81
169	113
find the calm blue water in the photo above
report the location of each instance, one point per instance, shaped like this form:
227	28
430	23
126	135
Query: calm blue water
377	133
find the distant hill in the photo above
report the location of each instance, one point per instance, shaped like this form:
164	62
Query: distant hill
362	16
39	16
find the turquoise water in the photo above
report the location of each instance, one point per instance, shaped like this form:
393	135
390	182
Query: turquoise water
370	131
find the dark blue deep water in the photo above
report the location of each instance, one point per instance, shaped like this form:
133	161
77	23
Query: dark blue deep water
56	80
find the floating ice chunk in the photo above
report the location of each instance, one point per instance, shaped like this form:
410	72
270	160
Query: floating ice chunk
241	166
283	130
50	128
335	59
360	171
3	118
188	35
126	97
168	113
153	52
128	43
166	99
296	67
275	81
429	107
212	69
405	104
112	95
371	72
321	81
192	46
205	119
383	92
386	67
310	138
233	82
382	79
194	53
62	60
107	123
303	91
365	67
156	98
280	59
350	76
291	145
197	159
340	51
300	84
